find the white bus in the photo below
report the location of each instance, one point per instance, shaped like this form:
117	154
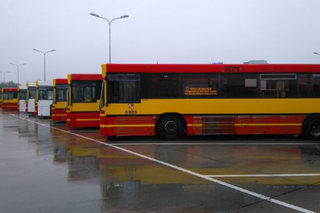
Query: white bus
22	98
44	98
31	98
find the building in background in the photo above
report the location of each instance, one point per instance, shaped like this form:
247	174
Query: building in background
256	62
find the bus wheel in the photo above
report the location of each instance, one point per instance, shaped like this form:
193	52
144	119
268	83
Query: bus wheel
311	128
170	128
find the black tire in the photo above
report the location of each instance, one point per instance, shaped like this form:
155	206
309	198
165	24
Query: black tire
170	127
311	128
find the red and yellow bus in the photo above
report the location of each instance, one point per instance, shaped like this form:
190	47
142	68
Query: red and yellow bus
10	98
60	94
174	100
0	97
83	100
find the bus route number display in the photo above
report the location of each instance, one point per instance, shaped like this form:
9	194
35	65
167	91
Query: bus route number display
200	91
232	68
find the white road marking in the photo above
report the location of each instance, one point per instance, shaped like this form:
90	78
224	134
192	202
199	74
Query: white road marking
209	144
263	197
266	175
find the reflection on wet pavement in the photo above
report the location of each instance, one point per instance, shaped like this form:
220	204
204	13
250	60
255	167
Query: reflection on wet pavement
48	170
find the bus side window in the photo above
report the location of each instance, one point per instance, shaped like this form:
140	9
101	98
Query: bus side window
309	85
278	85
199	85
165	86
239	85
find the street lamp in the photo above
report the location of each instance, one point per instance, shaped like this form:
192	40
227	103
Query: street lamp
44	56
4	76
18	69
96	15
316	53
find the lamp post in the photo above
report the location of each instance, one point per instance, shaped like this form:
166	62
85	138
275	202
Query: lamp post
121	17
44	56
18	69
4	76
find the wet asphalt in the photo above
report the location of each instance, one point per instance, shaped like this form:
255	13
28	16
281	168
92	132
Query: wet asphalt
46	167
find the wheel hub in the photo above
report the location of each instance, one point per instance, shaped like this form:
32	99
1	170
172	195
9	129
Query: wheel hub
315	128
170	127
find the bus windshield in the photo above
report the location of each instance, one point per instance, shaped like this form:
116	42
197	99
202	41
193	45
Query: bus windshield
123	88
32	93
46	94
10	95
61	93
23	94
84	92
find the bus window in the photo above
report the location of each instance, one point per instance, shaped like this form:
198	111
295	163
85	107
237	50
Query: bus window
239	85
200	85
89	93
22	94
113	92
42	94
9	95
62	93
101	104
309	85
85	92
278	85
165	86
32	93
123	88
50	94
77	94
45	94
128	91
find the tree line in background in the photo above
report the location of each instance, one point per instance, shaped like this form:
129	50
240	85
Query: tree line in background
8	84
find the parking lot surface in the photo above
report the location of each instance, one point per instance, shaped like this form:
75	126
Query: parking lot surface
46	167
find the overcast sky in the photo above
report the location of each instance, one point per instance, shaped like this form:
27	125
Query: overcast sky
167	31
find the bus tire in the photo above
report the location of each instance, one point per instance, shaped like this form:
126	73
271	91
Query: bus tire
170	127
311	128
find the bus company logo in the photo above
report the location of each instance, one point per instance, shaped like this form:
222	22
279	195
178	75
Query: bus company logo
131	110
130	106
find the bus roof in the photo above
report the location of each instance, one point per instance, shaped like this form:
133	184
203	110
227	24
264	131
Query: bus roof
59	81
85	77
30	85
22	88
10	89
43	84
210	68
